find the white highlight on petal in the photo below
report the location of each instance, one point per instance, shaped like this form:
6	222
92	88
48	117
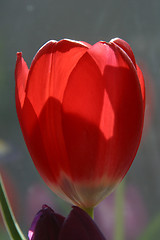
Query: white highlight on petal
113	39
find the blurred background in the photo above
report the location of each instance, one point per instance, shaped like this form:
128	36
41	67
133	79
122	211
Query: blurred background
25	25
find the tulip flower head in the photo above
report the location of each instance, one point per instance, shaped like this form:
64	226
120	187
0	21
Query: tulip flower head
81	111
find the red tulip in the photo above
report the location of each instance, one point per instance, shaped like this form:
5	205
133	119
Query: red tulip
81	111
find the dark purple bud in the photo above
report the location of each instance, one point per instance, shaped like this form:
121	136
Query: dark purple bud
80	226
46	225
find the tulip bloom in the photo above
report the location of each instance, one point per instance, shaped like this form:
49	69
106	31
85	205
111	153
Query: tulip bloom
48	225
81	111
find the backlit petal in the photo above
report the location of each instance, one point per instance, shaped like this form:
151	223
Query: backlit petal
41	125
102	107
142	84
126	47
50	69
21	74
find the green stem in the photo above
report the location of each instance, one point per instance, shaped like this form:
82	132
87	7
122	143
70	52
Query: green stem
9	219
90	211
119	213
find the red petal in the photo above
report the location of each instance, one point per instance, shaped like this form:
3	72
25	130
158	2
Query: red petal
142	84
21	74
30	125
86	44
41	125
78	225
82	106
102	114
27	117
50	70
126	47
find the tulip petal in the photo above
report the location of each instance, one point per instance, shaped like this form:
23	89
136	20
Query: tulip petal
30	125
126	47
21	74
102	119
82	106
50	69
42	130
79	225
27	116
46	225
142	84
82	103
123	89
